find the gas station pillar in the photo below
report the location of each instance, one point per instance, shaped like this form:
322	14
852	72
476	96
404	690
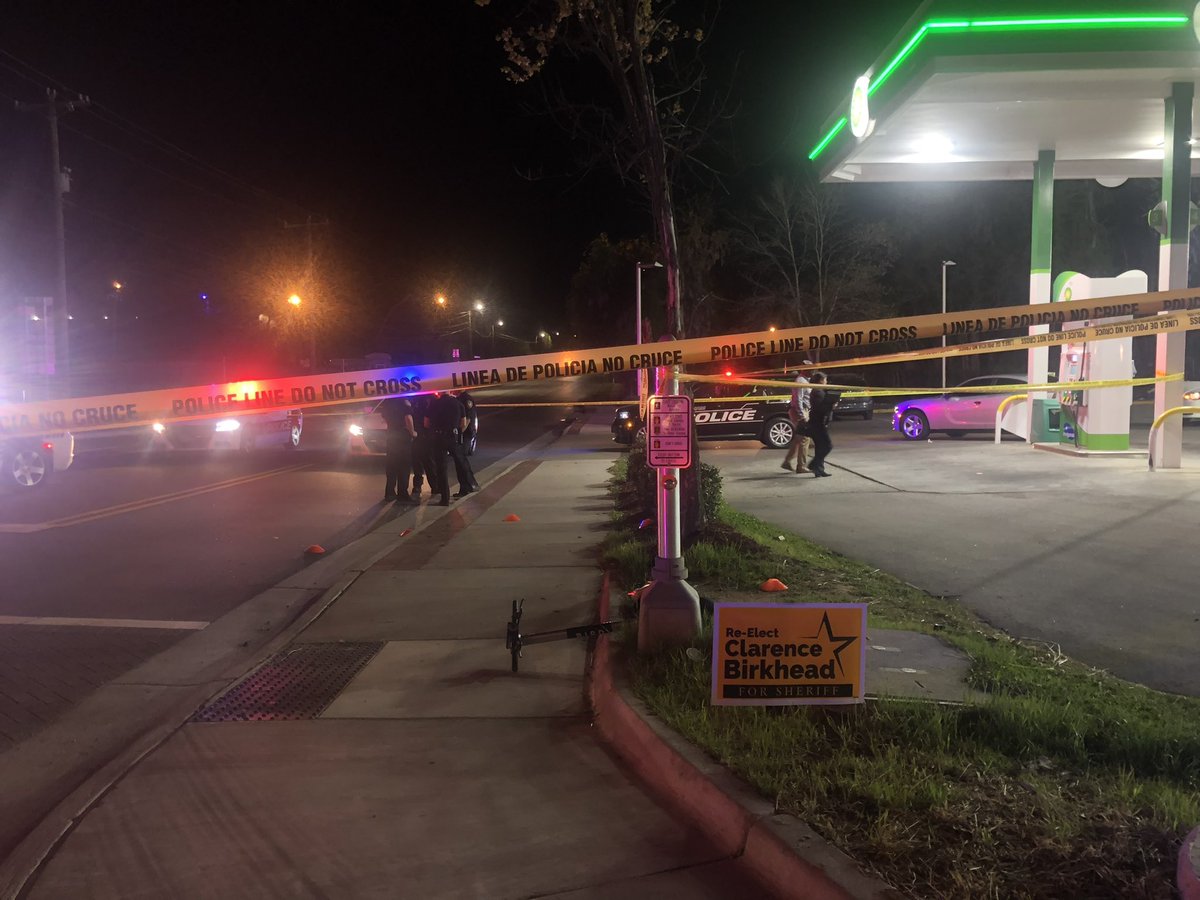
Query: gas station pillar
1173	264
1040	253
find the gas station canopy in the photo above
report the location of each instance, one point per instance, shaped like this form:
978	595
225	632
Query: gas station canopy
975	97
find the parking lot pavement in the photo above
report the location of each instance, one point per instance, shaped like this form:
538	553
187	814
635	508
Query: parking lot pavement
1095	555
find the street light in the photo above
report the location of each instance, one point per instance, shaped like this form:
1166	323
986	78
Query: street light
440	300
500	324
295	301
946	263
471	310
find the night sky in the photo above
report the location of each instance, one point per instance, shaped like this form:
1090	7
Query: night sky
215	123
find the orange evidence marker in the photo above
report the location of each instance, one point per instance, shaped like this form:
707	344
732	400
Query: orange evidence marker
772	585
314	550
512	517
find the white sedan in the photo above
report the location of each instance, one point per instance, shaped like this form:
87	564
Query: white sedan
955	413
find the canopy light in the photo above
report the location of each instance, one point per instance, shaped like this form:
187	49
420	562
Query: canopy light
933	148
990	26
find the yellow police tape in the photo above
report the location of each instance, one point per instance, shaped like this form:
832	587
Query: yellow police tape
860	391
278	394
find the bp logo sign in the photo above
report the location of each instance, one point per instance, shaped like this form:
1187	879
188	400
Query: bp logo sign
861	124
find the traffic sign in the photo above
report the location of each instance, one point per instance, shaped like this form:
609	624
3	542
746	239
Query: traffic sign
669	437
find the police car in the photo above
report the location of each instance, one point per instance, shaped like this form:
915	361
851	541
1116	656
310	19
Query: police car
367	432
279	428
28	462
760	414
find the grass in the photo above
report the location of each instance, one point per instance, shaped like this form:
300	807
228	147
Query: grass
1066	782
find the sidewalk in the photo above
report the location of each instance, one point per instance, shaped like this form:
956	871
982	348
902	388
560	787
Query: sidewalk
390	752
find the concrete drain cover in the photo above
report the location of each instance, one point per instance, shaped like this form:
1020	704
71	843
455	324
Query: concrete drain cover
295	684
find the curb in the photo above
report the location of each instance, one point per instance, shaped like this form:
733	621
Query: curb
1187	875
784	854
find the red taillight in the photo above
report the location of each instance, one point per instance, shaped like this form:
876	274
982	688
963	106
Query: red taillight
46	445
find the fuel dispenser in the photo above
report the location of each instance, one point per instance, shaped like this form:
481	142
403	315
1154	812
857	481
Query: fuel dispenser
1096	420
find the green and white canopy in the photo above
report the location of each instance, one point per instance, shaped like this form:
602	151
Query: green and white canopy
974	95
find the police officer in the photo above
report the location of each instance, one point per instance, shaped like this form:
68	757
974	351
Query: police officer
397	414
447	420
423	456
820	414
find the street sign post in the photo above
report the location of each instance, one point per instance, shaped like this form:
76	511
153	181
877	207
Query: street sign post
669	436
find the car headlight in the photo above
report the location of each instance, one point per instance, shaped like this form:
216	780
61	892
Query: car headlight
1192	395
623	414
226	425
356	430
158	427
629	423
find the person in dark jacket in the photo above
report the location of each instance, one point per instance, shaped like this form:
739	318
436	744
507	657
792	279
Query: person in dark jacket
821	403
398	416
423	457
447	420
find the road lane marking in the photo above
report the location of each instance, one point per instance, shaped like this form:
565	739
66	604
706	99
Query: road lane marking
145	503
159	624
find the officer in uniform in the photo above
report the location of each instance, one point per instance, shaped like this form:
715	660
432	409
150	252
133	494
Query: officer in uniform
448	420
423	461
397	414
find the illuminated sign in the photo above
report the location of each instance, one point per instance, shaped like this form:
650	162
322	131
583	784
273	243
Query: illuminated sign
785	654
669	439
861	124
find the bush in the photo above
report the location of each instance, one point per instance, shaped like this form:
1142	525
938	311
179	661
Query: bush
645	482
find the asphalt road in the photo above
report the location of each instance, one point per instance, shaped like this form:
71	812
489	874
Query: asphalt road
1093	555
128	552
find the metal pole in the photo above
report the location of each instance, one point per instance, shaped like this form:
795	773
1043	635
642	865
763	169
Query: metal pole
943	325
669	607
641	372
669	565
63	310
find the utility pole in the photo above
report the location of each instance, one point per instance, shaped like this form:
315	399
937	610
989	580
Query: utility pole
60	182
308	225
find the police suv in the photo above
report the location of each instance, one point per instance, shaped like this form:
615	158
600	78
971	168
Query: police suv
761	414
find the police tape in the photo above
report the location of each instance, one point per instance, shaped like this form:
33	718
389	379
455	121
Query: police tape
281	394
1054	387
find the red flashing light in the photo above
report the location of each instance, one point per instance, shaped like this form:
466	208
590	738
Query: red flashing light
46	445
728	373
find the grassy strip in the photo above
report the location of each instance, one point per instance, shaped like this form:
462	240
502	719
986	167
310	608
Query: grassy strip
1067	782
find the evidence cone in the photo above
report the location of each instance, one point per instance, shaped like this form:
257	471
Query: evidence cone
512	517
772	585
314	550
406	532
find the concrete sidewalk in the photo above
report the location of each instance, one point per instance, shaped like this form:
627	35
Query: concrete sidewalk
397	755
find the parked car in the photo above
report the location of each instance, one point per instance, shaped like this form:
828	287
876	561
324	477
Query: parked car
1191	397
863	407
955	413
246	432
757	415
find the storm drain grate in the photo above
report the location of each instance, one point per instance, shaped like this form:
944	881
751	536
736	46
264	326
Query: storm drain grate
295	684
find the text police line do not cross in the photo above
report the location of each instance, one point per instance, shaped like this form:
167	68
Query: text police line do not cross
207	401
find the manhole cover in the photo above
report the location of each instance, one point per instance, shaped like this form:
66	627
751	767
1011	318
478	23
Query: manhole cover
295	684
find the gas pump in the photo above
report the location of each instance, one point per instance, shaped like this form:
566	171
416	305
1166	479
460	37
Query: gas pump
1070	370
1096	420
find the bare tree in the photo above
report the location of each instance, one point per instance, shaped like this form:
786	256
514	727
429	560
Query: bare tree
656	116
806	255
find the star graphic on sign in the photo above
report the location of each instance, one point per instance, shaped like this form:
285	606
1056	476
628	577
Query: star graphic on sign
837	642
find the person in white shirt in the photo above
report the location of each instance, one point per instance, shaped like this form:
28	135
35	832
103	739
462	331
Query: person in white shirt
798	412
